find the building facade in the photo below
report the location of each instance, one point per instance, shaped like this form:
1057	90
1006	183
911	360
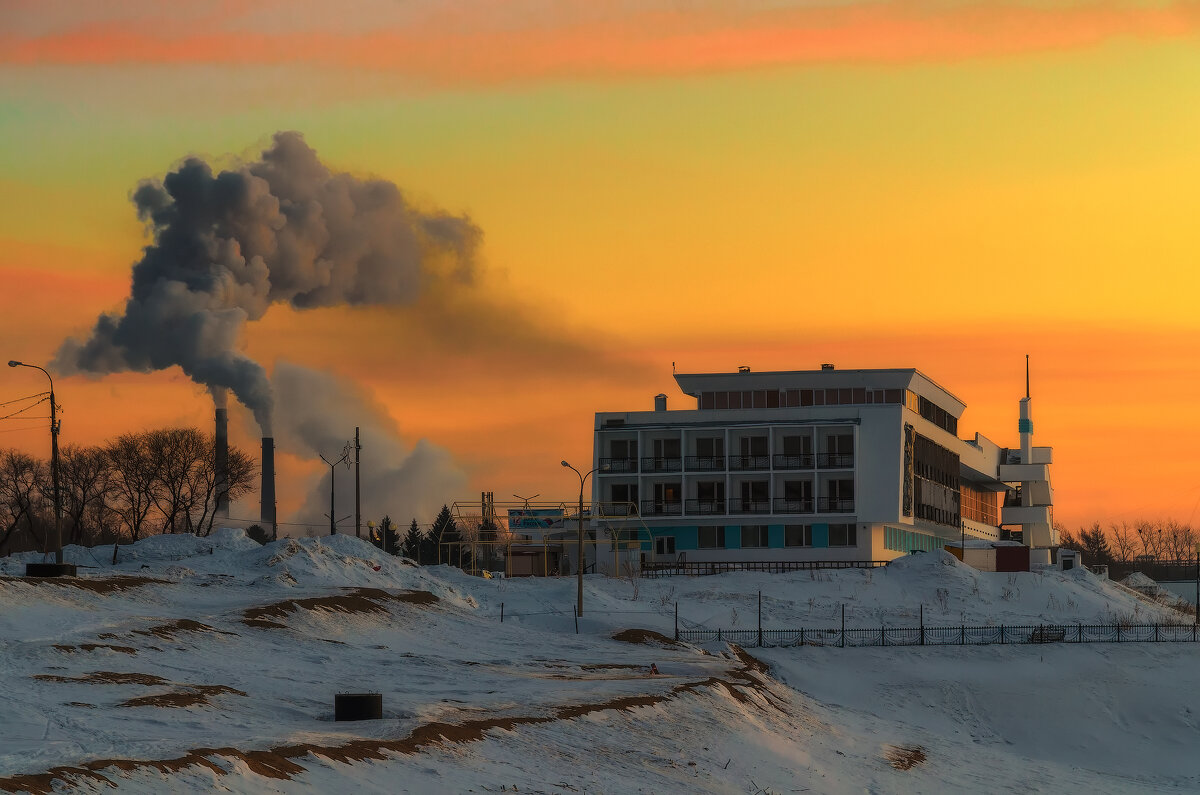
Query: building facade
812	465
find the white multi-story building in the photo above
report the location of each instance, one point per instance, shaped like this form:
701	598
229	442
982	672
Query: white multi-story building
812	465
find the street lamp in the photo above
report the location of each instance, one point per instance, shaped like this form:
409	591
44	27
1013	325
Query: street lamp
58	568
579	546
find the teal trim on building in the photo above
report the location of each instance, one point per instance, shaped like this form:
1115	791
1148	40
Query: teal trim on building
820	536
1025	426
733	536
775	536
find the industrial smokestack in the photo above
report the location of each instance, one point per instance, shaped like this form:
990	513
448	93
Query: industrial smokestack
221	464
267	491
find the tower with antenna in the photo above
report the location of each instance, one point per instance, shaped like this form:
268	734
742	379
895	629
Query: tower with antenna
1030	506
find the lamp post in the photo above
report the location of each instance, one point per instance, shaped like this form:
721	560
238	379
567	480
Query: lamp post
579	544
59	567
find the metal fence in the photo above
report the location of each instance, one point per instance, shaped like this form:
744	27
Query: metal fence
684	568
949	636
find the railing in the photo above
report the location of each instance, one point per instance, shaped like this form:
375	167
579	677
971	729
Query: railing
835	460
616	509
704	507
699	568
749	462
654	464
786	505
831	505
950	636
737	505
610	465
661	508
705	463
797	461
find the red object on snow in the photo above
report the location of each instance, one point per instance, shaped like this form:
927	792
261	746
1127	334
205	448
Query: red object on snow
653	669
377	568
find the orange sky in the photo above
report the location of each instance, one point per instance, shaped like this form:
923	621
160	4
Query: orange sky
945	186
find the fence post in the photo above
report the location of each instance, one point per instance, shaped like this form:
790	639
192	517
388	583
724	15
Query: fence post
718	634
1080	638
760	619
575	610
1118	633
962	636
677	621
801	636
842	641
1002	641
502	612
1156	632
922	624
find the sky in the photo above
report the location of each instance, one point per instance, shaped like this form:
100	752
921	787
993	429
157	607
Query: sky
944	185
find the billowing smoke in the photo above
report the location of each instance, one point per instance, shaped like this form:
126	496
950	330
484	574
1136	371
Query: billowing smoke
317	413
281	229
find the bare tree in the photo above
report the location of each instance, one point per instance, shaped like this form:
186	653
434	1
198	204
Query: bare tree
133	481
1178	540
240	479
1150	538
83	473
24	482
1124	541
174	454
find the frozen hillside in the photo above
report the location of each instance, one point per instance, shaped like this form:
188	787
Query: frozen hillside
195	663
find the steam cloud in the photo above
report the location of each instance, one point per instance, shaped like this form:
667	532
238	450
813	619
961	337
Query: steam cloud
316	411
281	229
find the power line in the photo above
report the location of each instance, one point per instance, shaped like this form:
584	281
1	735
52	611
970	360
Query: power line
23	410
27	397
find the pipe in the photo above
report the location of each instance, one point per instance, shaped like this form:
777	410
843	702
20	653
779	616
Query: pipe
267	492
221	464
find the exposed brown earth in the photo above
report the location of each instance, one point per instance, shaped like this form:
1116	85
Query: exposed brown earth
644	636
355	601
904	757
102	585
277	762
94	646
195	695
106	678
169	630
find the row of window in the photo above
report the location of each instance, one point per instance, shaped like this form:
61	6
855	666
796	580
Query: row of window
750	490
898	539
714	446
794	398
756	536
979	505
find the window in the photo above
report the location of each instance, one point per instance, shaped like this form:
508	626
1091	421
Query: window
623	448
710	447
664	545
708	400
666	448
797	535
843	535
625	492
710	490
712	537
797	445
754	535
792	398
798	490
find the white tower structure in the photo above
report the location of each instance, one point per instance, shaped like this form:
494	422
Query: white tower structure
1033	511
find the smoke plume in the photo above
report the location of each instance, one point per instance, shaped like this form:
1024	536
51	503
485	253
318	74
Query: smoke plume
316	412
281	229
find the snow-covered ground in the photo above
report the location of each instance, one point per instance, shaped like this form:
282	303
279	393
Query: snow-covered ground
195	664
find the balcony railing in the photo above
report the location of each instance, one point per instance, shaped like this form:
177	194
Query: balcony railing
749	462
832	505
661	508
794	461
835	460
653	464
610	465
704	507
786	505
617	509
738	505
704	463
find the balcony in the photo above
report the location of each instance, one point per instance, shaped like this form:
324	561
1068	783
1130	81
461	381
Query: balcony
617	509
705	507
706	463
785	505
610	465
834	505
652	464
835	460
749	463
737	505
661	508
797	461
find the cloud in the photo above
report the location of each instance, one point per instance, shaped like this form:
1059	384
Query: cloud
488	43
316	413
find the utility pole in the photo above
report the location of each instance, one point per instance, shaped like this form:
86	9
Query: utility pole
357	501
344	459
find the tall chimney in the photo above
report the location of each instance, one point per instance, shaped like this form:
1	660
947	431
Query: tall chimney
221	464
267	491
